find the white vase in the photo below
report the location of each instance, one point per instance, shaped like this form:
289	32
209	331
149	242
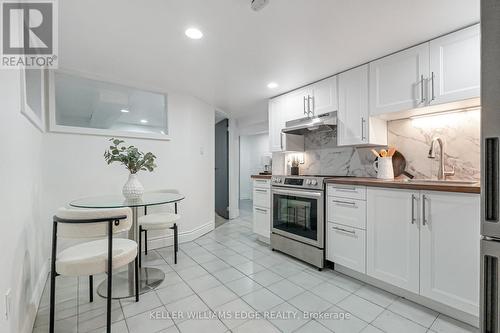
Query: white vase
384	168
133	188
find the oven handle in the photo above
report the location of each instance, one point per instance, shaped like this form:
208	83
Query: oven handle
305	194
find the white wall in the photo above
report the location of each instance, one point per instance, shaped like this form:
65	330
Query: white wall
252	149
24	237
76	168
40	172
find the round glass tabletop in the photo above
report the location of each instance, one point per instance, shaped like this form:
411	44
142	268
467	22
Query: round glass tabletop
117	201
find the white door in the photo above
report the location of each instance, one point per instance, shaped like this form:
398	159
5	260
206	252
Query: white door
397	82
324	96
276	108
449	249
353	107
455	66
392	237
298	103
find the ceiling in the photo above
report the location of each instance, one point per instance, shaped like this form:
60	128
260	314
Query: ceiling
291	42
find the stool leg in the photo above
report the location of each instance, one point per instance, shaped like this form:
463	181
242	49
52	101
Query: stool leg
136	279
176	243
53	279
91	288
140	246
110	276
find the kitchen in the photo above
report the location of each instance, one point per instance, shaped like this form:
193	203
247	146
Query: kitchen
332	203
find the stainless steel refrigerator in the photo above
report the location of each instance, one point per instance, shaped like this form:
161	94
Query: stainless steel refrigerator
490	173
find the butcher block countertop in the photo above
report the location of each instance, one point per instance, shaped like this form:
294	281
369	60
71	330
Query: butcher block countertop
402	184
261	176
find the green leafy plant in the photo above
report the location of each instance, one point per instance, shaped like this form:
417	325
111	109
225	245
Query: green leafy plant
133	159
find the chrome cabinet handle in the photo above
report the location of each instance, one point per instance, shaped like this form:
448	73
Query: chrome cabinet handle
353	232
308	105
312	105
353	204
424	217
281	141
432	87
413	209
261	210
346	189
363	122
422	98
305	113
259	190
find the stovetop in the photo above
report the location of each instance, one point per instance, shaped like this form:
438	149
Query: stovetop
301	181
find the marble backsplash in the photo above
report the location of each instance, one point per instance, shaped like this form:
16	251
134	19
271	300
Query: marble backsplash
412	137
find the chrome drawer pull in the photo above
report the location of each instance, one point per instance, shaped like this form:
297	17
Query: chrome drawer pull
261	210
353	232
346	189
258	190
353	204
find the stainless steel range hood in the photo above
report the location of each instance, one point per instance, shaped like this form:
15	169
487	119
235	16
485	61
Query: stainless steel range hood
322	122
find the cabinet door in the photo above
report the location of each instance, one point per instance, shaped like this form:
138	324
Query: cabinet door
392	241
346	246
262	221
324	96
397	82
353	107
276	123
449	249
298	104
455	66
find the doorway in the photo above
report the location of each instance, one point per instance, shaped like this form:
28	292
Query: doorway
221	170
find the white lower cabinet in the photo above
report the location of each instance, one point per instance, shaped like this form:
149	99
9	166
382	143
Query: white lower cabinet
262	208
449	249
393	237
427	243
347	246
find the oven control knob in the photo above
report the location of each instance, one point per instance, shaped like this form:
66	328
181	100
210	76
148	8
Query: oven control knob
314	182
279	180
308	182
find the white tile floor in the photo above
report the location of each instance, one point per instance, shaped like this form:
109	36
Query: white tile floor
228	271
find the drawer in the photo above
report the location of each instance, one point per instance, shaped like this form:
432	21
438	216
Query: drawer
346	246
262	183
262	197
262	221
349	212
347	191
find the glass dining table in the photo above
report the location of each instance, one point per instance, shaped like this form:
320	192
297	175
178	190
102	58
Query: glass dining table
149	277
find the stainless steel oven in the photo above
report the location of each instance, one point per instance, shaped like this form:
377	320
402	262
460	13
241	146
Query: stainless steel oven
298	217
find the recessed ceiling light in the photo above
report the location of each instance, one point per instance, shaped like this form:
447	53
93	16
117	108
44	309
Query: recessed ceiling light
194	33
124	111
272	85
144	121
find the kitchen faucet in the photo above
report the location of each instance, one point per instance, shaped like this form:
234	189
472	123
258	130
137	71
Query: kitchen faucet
432	154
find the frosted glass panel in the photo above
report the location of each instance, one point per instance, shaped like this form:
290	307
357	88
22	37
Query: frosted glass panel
92	104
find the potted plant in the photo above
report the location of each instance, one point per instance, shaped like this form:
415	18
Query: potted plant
135	161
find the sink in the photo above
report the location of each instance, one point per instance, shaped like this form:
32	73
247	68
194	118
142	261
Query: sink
440	182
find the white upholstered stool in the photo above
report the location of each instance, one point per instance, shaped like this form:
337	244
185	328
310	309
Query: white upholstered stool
99	254
159	221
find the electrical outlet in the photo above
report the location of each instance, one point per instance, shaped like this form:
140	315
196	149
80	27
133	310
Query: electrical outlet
7	304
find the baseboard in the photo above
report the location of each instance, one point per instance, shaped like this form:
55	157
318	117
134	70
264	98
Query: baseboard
439	307
184	236
36	297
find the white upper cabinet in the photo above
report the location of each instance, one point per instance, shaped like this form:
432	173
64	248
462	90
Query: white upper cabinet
392	237
297	104
277	106
354	124
324	96
449	249
455	66
397	82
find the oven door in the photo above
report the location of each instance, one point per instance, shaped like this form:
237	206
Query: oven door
299	215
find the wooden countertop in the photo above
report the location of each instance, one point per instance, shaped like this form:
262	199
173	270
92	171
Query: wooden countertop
261	176
461	188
